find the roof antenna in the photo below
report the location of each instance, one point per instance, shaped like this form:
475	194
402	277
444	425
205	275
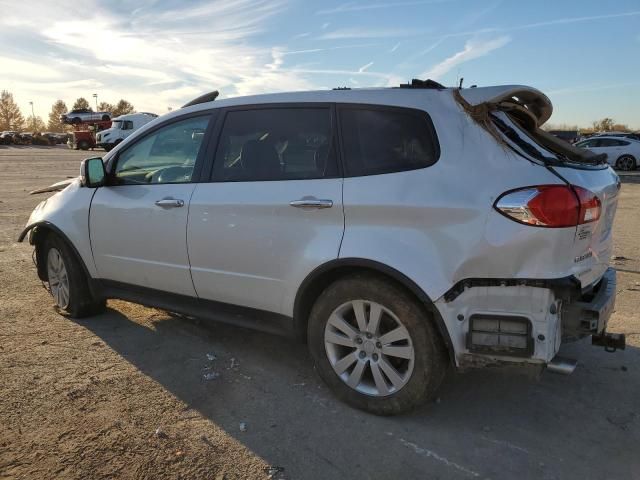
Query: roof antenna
461	80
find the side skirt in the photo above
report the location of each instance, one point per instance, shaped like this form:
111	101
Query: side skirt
196	307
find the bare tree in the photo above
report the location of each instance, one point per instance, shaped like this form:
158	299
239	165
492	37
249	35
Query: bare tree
122	108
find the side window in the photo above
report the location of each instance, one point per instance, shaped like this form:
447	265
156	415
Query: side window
386	140
622	143
127	125
275	144
167	155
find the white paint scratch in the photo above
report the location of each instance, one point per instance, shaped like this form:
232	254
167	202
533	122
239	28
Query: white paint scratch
428	453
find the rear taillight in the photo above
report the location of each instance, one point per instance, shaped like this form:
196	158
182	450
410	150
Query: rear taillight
552	206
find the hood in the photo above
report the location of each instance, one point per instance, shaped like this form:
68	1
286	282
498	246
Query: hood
534	101
56	187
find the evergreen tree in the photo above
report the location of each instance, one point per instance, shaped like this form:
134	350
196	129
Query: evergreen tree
82	103
10	116
57	109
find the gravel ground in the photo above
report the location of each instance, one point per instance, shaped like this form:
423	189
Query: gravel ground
123	394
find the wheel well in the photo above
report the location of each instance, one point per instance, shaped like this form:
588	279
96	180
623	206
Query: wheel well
39	235
321	278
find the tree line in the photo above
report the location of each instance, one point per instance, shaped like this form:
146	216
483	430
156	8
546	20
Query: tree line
11	118
605	125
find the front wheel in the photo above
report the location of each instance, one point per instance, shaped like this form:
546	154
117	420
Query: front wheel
67	280
626	163
375	345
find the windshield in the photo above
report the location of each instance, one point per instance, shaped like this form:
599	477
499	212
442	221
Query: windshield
116	124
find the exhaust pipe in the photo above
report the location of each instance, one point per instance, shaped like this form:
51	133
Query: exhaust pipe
561	365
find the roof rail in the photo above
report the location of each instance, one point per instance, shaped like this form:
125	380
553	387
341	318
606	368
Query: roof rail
207	97
416	83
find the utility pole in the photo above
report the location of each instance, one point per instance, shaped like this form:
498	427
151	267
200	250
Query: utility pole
95	95
33	117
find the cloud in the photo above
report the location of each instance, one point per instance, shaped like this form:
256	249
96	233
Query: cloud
155	58
357	32
365	67
395	47
472	49
358	7
325	25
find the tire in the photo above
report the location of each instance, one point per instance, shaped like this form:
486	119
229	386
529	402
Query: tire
76	120
68	283
421	367
626	163
108	148
106	118
83	145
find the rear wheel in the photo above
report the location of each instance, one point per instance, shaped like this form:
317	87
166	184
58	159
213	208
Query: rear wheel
83	145
106	118
76	120
375	345
68	284
626	163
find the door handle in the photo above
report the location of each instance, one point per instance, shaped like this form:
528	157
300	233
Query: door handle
311	202
170	203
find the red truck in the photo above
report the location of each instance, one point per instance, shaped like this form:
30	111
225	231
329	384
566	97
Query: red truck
84	134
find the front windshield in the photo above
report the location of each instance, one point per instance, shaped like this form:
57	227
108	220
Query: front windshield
116	124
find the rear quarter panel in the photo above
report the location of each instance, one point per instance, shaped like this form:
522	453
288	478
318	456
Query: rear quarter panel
437	225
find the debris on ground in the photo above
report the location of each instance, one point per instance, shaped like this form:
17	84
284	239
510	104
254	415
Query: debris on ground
243	426
234	363
211	357
161	433
619	257
211	376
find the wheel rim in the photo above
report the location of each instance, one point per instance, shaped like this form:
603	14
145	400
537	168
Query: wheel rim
369	348
626	163
58	278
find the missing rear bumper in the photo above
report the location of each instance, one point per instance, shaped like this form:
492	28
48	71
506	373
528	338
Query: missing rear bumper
610	341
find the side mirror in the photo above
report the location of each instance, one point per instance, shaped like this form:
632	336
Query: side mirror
92	172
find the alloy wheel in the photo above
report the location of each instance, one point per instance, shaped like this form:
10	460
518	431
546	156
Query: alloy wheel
58	278
369	348
626	163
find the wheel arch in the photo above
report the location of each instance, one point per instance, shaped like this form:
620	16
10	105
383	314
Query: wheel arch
39	232
321	277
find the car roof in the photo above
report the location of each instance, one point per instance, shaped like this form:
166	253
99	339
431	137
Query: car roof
539	104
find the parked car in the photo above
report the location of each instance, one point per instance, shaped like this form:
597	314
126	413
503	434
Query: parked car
7	137
623	153
121	128
398	230
84	115
632	135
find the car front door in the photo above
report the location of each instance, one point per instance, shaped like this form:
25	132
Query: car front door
138	222
273	210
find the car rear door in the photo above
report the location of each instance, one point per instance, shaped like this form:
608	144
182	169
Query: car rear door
138	223
273	209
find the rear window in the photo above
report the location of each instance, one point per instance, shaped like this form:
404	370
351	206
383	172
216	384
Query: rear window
384	140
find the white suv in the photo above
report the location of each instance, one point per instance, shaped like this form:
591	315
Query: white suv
398	231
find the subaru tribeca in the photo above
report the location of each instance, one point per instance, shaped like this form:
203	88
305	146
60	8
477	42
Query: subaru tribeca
398	231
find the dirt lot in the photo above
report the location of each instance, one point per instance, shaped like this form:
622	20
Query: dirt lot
84	399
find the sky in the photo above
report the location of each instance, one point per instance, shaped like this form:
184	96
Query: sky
159	54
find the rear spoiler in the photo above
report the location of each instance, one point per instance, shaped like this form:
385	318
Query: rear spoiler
527	107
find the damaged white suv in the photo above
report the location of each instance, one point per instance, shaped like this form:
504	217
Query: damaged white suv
398	231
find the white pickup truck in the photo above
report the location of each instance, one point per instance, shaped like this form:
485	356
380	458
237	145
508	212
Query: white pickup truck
121	128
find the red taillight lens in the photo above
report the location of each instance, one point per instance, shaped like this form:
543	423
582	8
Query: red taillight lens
553	206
